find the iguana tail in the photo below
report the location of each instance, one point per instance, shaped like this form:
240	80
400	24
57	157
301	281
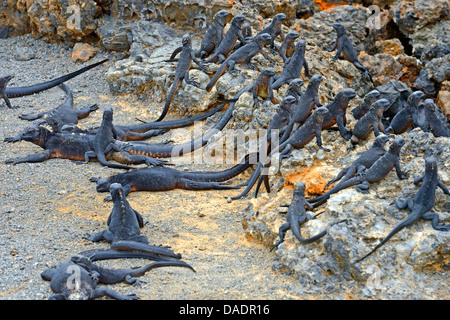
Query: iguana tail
170	96
29	90
220	72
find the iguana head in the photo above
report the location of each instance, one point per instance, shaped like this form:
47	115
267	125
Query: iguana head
295	85
430	164
36	134
415	98
4	79
397	145
287	102
221	16
340	29
292	35
278	18
345	95
116	190
103	184
263	39
186	40
268	72
300	46
372	96
380	106
81	260
108	114
238	20
429	105
381	140
320	113
315	81
300	188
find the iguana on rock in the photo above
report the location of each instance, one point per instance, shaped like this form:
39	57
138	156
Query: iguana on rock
293	68
187	55
375	173
345	46
226	46
274	29
403	120
370	122
242	55
214	35
297	216
287	48
420	205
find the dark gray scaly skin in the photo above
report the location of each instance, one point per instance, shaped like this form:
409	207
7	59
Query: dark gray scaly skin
338	111
293	68
228	42
296	217
62	114
294	89
274	29
345	46
301	137
146	130
78	278
103	142
262	88
403	120
375	173
287	48
370	122
70	281
397	92
214	35
112	276
8	93
366	159
124	224
164	179
428	120
306	104
279	122
187	55
359	111
57	118
421	205
247	33
242	55
73	147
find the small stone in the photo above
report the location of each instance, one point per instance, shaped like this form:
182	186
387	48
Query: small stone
24	54
82	52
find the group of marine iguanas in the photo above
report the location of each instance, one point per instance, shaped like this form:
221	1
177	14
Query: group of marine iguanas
300	119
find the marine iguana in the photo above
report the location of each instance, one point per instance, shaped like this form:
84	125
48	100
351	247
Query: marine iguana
296	217
56	118
431	122
366	159
338	111
299	138
371	121
225	47
8	93
403	120
146	130
187	55
287	48
274	29
262	87
213	36
103	142
242	55
293	68
375	173
359	111
420	205
78	278
306	103
164	179
344	46
294	89
73	147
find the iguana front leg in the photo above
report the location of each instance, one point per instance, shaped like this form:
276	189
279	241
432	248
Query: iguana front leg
38	157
